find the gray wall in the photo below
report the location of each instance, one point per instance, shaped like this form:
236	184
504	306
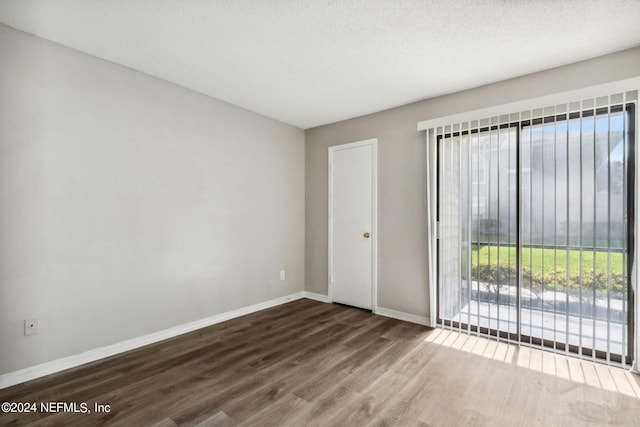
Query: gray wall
402	271
129	205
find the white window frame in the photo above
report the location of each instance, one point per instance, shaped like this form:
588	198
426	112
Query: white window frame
561	98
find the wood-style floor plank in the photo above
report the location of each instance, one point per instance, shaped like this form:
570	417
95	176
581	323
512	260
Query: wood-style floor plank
312	364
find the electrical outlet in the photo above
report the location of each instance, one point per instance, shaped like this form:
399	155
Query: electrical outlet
283	274
30	326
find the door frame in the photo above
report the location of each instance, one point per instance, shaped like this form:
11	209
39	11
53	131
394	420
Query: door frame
373	142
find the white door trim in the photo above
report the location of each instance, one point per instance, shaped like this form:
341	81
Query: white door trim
374	232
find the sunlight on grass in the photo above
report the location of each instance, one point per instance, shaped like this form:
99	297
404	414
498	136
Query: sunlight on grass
547	269
541	260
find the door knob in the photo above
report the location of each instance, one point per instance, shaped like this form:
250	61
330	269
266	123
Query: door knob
366	235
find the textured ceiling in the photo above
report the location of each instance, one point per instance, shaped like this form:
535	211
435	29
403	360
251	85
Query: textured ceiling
312	62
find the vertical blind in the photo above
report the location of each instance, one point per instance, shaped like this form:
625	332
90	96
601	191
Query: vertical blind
535	226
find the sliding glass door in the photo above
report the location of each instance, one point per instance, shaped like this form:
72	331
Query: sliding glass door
535	230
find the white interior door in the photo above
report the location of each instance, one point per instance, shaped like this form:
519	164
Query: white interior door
352	234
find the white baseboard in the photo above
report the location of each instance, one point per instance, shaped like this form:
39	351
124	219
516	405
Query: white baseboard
400	315
315	297
47	368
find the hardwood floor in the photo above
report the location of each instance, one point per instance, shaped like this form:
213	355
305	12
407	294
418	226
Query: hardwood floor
310	363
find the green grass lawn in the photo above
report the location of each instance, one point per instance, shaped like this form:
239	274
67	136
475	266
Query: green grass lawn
545	260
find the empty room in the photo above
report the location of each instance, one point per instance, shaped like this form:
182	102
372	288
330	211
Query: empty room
324	213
